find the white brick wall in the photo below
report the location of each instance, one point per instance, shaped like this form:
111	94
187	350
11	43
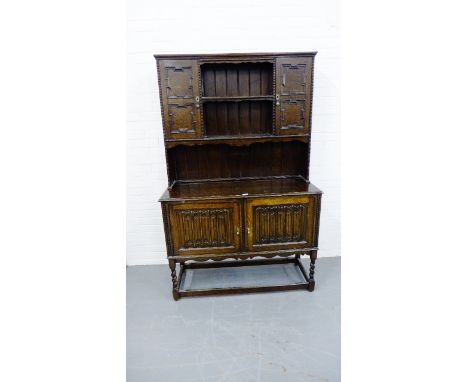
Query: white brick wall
209	26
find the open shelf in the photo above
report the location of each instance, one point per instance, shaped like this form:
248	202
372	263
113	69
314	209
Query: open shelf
238	118
238	98
236	140
213	189
237	79
241	274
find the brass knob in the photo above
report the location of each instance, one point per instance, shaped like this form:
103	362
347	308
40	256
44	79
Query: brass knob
237	231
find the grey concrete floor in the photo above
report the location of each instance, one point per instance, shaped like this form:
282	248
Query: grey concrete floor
264	337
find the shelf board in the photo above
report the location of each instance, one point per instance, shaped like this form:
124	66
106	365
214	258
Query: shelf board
241	187
238	98
236	140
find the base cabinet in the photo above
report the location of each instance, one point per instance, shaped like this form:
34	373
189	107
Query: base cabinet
242	229
217	227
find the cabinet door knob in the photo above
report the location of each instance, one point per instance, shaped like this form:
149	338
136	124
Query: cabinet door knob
237	231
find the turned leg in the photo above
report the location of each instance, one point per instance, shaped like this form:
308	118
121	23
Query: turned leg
175	290
313	256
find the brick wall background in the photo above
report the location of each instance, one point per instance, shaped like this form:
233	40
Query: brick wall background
210	26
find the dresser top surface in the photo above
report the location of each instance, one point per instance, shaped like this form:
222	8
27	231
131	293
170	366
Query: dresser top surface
232	55
239	188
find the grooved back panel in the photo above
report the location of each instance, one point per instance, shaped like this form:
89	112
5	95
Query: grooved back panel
224	161
238	118
234	80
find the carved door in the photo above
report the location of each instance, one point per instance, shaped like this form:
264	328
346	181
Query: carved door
180	93
280	223
205	228
293	103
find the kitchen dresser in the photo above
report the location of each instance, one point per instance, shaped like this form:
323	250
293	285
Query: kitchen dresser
237	131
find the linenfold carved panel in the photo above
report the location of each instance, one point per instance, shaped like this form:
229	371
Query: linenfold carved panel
279	224
205	228
200	228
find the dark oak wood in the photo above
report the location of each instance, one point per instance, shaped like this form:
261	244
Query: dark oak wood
238	98
240	263
250	57
238	118
234	290
237	137
180	98
237	80
293	94
275	255
233	140
205	227
281	222
237	188
225	161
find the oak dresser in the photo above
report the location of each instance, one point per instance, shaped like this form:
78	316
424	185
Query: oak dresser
237	130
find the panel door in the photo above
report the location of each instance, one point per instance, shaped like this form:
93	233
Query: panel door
180	93
205	228
293	102
280	223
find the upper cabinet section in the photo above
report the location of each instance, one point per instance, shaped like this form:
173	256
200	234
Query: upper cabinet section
235	98
179	89
293	94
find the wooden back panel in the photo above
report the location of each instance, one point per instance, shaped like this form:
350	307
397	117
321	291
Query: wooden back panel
237	80
225	161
